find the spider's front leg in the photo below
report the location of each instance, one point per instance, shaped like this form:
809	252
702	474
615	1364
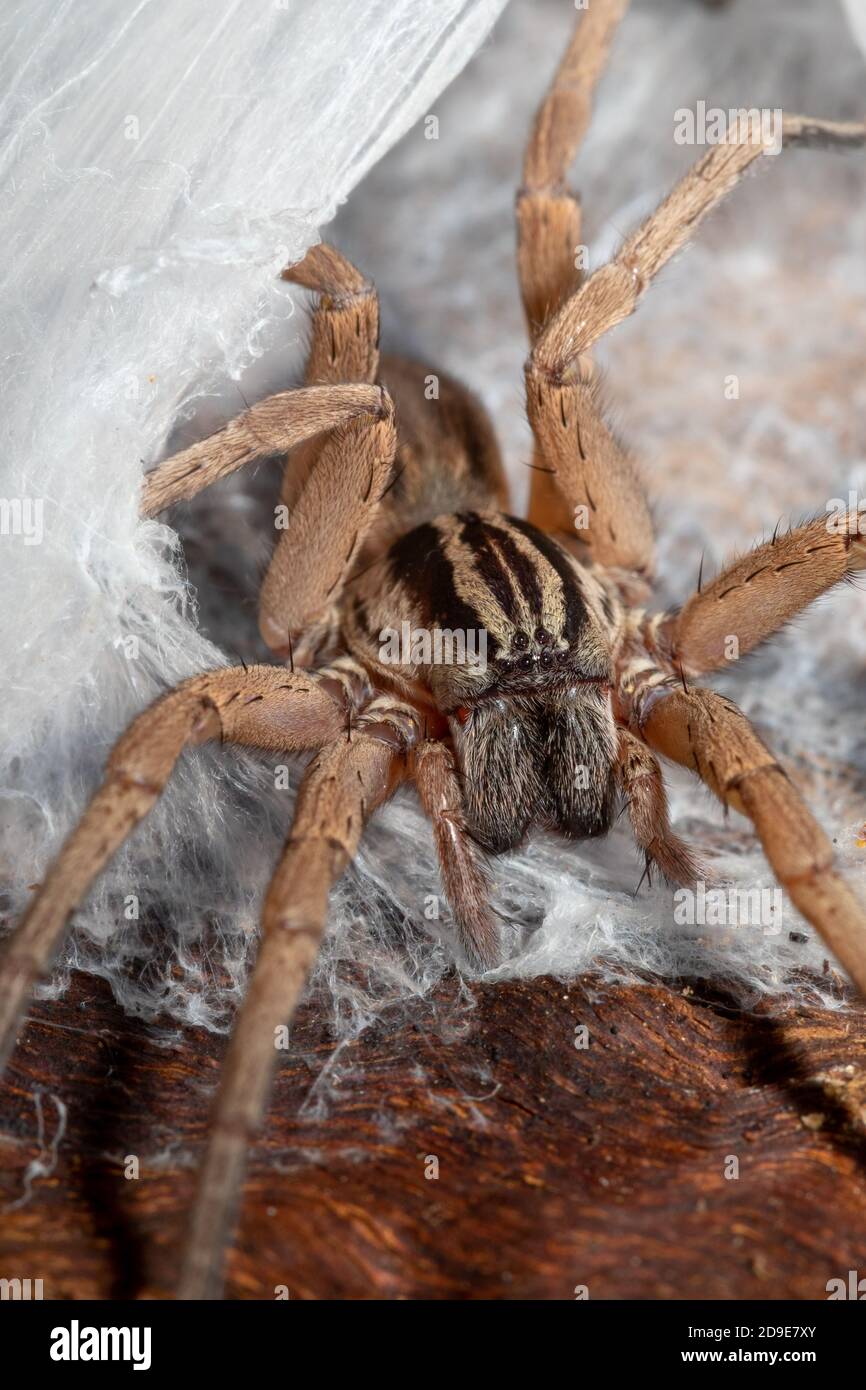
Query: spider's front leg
342	786
707	733
272	426
334	482
260	706
344	336
331	486
601	480
613	292
576	447
334	509
548	213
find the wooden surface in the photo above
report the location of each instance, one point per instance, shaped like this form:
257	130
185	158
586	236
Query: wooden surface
558	1167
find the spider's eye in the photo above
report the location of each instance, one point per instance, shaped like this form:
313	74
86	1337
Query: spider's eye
461	714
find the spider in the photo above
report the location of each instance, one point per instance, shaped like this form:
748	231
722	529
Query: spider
398	520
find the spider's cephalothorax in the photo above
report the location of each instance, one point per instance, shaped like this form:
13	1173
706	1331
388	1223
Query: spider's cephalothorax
513	639
561	693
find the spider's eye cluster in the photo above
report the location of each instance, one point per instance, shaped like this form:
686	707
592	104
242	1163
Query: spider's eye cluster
528	653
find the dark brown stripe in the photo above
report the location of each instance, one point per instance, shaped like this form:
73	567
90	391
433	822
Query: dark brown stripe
575	608
521	568
418	562
475	534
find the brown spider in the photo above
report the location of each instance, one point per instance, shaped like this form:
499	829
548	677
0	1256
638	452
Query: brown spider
395	505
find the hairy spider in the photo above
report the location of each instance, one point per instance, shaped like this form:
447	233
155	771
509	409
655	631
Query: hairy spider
397	507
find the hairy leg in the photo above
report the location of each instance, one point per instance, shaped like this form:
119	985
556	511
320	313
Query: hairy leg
262	707
549	239
614	291
596	477
344	340
576	447
447	457
326	527
757	594
707	733
548	213
332	487
640	777
342	786
315	547
344	334
273	426
464	880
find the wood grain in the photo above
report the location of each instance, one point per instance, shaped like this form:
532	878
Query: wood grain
558	1166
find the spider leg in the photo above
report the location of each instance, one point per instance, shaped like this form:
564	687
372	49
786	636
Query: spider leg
756	595
590	469
708	734
463	877
327	526
262	707
447	454
640	777
548	213
550	267
272	426
344	334
341	787
614	291
331	487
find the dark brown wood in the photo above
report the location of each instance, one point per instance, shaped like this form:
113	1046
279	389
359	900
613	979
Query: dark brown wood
558	1166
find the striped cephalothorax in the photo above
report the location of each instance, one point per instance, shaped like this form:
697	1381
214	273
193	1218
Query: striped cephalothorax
507	667
513	638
